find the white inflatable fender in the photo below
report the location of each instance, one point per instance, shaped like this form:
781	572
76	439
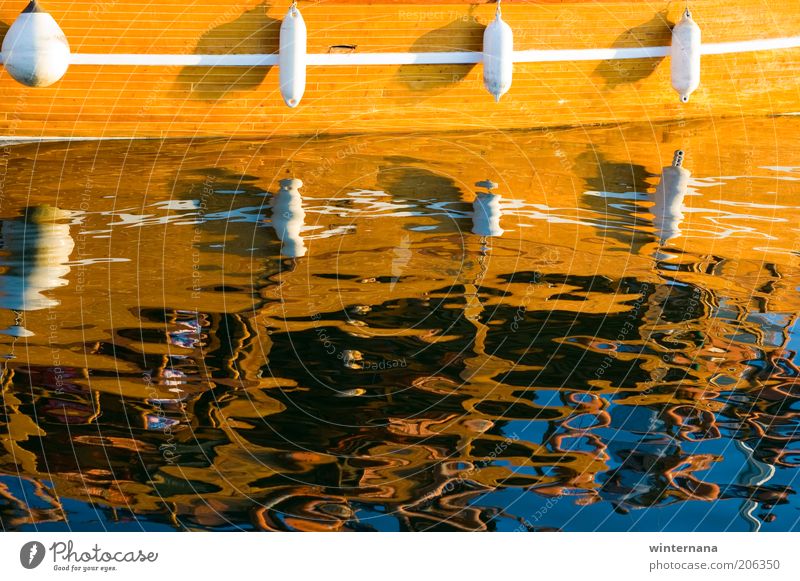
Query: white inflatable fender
35	50
498	56
685	56
292	57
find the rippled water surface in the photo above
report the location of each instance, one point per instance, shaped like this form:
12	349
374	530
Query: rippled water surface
554	330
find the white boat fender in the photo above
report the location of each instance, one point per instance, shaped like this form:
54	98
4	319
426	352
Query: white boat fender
685	56
670	192
292	57
486	211
35	50
288	218
498	56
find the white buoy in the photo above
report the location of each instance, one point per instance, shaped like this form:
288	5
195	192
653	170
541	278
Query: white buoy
498	56
292	57
288	218
486	211
35	50
685	56
670	192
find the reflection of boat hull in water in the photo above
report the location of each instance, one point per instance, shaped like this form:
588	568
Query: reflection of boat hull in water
205	69
245	341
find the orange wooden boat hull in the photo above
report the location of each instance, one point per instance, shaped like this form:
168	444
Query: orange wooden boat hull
117	100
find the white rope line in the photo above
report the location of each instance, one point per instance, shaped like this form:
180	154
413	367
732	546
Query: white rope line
421	58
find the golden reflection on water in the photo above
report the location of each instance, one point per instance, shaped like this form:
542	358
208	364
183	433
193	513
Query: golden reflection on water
585	329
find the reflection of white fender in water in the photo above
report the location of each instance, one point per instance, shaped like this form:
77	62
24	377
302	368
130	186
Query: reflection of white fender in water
498	56
35	50
37	250
486	211
668	208
292	57
685	56
288	218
